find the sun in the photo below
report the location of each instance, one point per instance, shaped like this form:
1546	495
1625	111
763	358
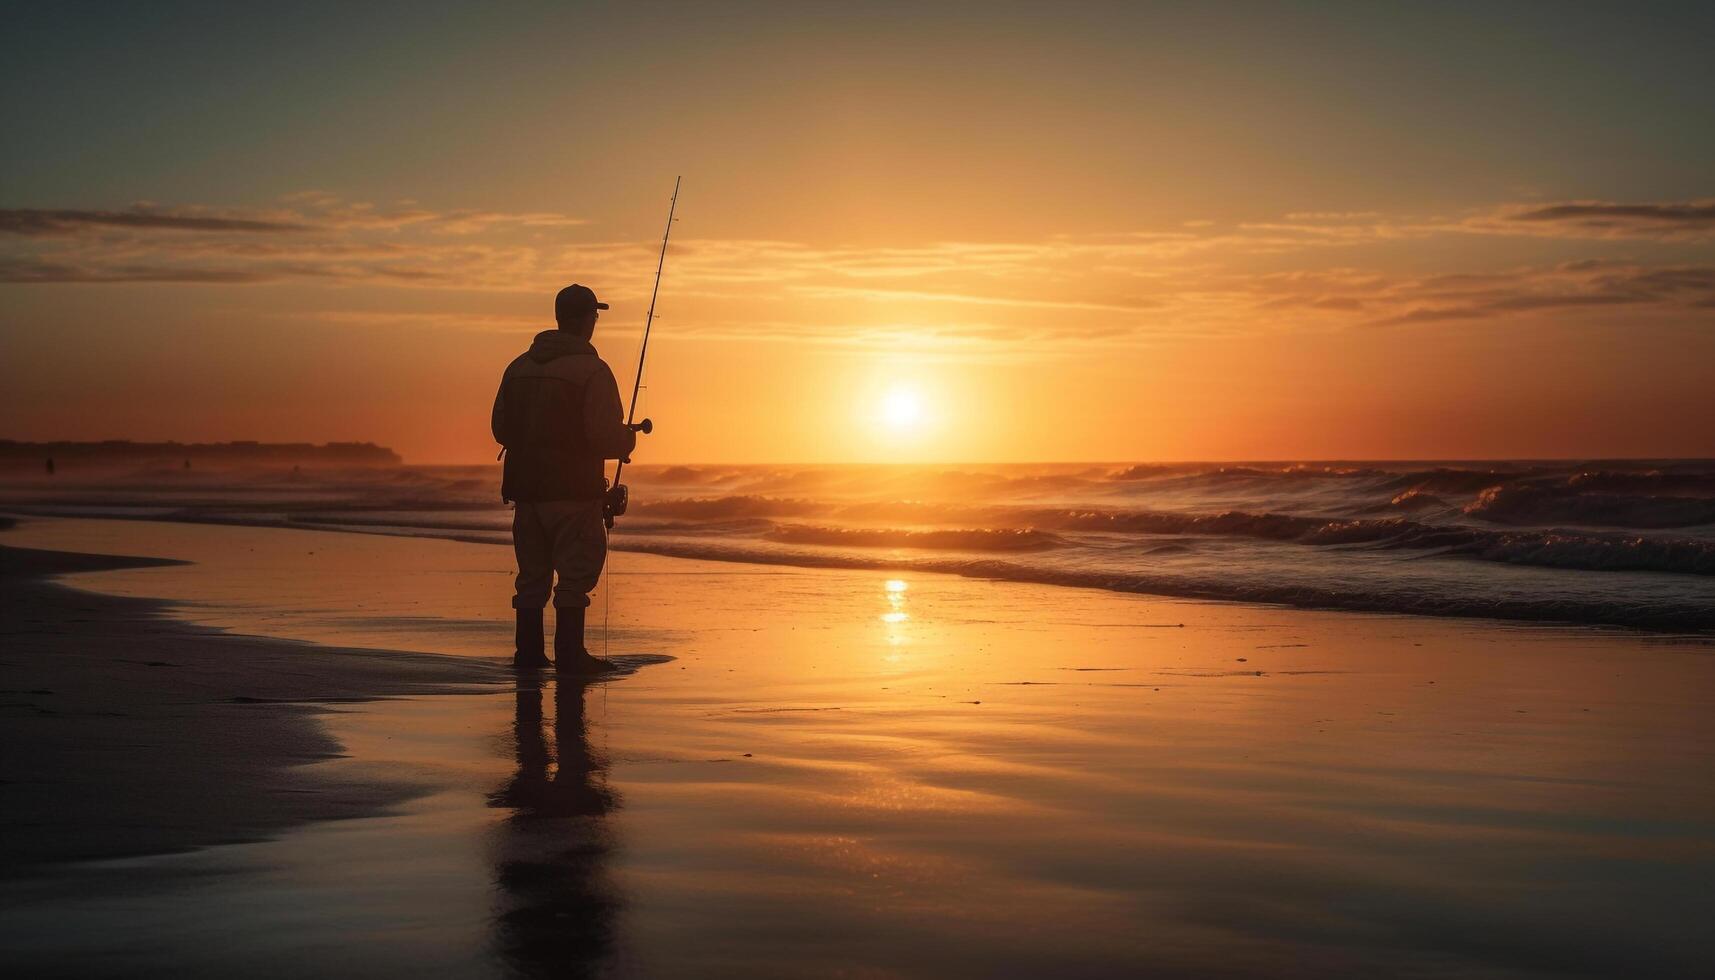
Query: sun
901	409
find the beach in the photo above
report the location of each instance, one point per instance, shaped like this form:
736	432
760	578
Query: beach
821	771
1164	490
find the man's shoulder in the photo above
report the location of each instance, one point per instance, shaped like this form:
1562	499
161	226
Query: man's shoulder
517	363
572	367
593	362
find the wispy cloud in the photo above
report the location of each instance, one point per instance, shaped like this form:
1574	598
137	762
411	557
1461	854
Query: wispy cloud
1568	287
1671	221
299	213
1020	302
1630	219
24	270
63	221
1305	271
1674	222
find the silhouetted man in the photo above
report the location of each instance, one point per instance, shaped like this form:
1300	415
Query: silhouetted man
559	417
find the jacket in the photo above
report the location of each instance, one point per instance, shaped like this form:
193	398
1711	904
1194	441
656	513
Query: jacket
559	417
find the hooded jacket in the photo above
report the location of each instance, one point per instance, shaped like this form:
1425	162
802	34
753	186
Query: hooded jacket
559	416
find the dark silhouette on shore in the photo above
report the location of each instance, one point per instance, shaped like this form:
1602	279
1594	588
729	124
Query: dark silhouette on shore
557	908
558	419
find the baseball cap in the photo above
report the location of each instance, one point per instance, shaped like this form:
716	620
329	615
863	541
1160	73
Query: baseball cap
576	299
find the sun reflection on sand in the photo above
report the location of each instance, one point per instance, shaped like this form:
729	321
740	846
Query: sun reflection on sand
896	617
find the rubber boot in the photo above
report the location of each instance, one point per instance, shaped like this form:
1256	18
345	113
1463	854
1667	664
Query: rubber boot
569	652
527	640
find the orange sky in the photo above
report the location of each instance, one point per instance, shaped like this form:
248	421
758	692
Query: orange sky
1108	233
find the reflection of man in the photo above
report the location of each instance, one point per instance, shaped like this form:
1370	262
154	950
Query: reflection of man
557	908
559	417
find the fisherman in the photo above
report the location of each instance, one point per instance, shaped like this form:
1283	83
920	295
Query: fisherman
559	418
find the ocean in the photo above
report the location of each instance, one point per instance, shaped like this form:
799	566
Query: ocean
1624	544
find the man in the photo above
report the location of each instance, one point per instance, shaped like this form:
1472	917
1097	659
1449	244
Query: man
559	417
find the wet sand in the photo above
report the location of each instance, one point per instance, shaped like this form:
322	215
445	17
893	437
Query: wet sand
114	716
857	773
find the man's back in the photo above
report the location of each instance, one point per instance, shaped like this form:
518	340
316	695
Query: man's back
559	416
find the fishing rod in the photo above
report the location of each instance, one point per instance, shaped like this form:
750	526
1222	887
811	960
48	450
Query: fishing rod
617	496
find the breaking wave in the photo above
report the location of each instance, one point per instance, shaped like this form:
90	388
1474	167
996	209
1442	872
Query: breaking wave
1572	503
963	539
1650	613
1034	529
1603	541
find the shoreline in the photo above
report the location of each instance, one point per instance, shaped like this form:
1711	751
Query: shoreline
127	712
1620	617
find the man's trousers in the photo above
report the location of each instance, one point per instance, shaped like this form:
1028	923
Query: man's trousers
563	537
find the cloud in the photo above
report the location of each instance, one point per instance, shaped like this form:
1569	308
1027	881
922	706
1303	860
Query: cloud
27	271
1687	221
30	221
313	212
1332	215
1309	271
313	237
1020	302
1569	287
1699	215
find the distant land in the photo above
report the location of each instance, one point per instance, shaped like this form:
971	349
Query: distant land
14	454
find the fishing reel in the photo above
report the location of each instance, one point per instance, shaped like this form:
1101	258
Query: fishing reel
615	498
613	501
